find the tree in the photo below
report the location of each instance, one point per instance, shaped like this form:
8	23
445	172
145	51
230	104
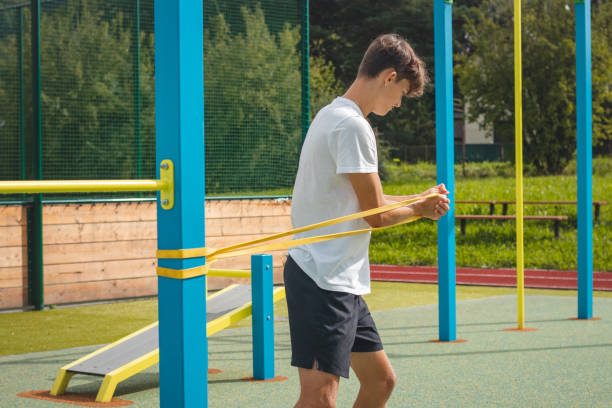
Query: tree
486	78
87	91
252	93
341	30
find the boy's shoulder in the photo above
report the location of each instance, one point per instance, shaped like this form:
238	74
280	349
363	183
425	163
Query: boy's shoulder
342	111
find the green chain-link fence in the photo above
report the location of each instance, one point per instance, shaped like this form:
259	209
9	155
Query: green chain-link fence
98	101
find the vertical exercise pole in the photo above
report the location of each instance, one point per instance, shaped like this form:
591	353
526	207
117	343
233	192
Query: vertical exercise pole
584	159
263	317
518	137
136	89
35	233
445	160
21	68
179	112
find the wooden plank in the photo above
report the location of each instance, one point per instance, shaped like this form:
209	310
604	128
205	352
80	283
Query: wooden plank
12	215
246	208
100	290
526	202
99	212
99	232
510	217
13	298
13	236
240	226
97	271
98	251
13	256
275	225
14	277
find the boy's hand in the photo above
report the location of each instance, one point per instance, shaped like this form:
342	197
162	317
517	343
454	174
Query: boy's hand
439	189
433	207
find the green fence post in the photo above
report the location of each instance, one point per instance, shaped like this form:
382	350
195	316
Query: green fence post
136	65
35	253
22	164
305	65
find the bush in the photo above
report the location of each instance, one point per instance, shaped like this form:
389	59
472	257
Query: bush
397	172
602	166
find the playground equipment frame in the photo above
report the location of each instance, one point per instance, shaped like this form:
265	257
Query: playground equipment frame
179	129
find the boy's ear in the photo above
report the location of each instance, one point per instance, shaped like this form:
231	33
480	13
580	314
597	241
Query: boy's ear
389	75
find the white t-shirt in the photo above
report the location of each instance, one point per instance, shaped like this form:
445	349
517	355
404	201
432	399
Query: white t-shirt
339	141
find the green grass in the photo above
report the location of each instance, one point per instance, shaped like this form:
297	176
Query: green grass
492	243
26	332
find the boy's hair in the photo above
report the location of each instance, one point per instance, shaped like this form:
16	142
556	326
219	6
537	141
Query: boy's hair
392	51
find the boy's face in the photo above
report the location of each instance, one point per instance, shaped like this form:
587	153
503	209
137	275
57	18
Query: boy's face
391	93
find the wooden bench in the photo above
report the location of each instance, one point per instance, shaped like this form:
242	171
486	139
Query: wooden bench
556	218
504	204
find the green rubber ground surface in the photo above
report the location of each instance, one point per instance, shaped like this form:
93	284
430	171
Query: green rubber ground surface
563	364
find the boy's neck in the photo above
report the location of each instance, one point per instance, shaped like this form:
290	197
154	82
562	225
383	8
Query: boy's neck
363	92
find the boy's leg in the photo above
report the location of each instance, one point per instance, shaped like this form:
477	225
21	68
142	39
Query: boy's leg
376	377
318	389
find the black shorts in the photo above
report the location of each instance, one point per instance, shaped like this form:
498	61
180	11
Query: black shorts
326	326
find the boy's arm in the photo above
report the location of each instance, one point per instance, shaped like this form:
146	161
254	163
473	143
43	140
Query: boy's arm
369	192
439	189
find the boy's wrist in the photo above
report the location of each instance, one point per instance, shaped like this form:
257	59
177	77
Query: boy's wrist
417	208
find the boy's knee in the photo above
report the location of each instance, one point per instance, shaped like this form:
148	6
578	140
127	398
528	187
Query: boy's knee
383	386
390	381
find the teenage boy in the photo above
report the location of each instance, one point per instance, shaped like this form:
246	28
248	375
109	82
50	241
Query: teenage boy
331	326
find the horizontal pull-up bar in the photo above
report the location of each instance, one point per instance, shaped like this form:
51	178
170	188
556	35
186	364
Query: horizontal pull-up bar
229	273
165	185
79	186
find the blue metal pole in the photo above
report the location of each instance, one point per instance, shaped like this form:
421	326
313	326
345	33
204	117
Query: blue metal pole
263	317
445	158
584	159
179	111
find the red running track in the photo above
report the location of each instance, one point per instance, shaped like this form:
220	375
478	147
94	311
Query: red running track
534	278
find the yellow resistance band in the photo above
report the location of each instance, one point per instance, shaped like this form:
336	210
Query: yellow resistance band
252	247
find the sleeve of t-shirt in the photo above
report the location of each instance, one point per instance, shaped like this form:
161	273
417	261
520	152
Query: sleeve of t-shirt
355	147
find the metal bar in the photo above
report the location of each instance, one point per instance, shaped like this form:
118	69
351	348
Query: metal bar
445	157
35	240
518	129
79	186
21	5
136	74
305	65
271	197
263	317
21	68
179	119
584	159
229	273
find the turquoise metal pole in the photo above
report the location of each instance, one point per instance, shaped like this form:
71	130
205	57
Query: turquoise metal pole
445	157
263	317
35	237
179	107
584	159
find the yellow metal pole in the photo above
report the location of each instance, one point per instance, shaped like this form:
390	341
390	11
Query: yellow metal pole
229	273
518	128
79	186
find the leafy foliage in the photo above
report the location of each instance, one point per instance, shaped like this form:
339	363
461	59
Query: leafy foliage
254	79
341	31
485	75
